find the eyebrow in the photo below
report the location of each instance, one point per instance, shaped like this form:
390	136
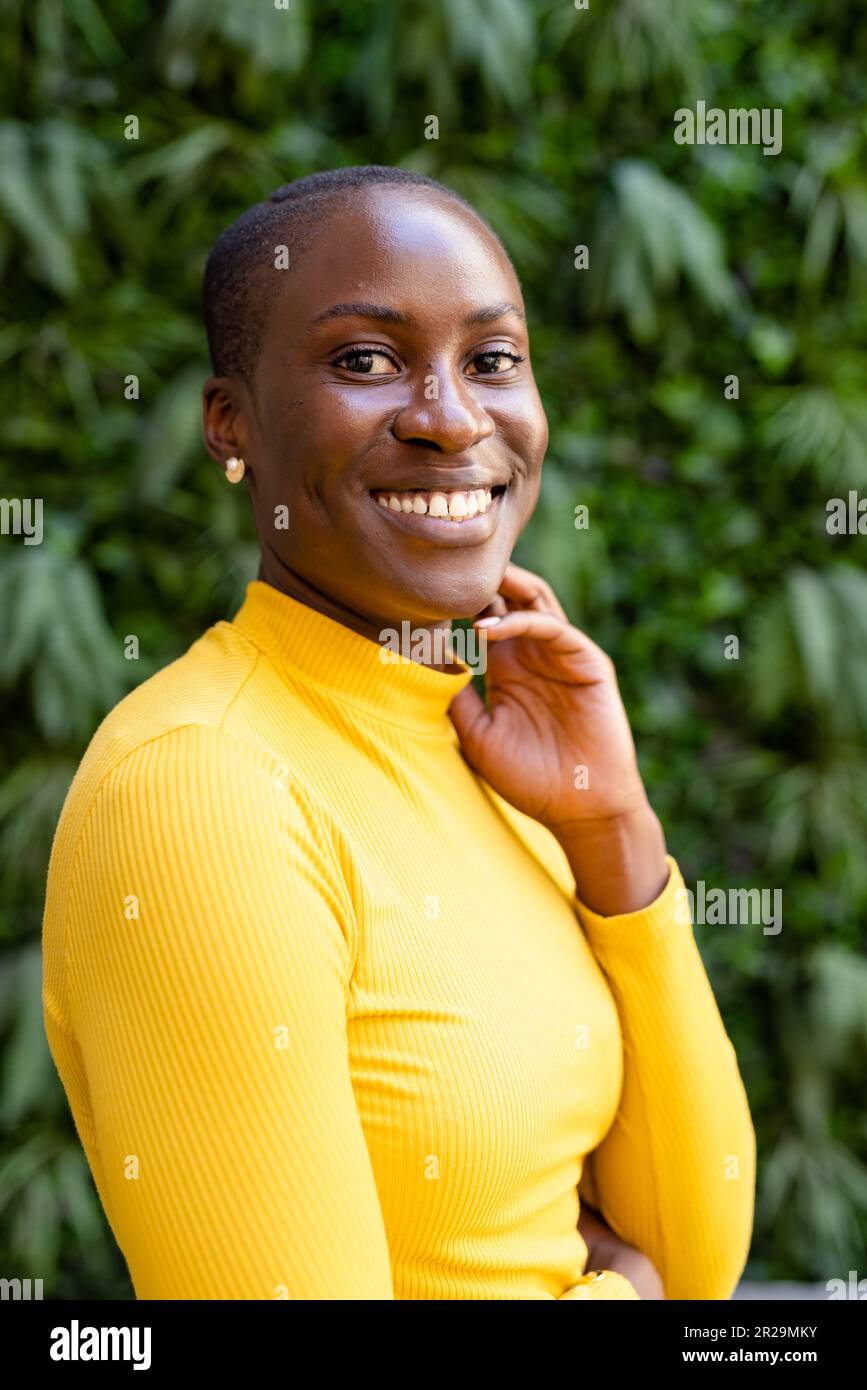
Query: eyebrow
493	312
362	309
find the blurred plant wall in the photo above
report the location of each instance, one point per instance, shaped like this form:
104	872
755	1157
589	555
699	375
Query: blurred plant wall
707	514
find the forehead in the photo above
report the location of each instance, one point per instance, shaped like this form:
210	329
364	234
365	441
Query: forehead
409	248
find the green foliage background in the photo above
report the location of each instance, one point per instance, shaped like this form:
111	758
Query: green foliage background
707	515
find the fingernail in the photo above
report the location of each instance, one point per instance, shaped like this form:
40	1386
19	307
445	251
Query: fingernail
485	622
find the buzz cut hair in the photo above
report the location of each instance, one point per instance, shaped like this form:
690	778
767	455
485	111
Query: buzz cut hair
238	285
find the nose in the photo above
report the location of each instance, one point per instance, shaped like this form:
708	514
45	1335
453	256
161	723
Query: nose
442	411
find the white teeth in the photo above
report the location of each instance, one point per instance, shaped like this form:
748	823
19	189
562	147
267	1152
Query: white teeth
451	506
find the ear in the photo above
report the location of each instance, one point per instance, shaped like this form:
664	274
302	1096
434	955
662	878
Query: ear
226	418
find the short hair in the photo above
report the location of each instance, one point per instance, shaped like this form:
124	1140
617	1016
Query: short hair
237	290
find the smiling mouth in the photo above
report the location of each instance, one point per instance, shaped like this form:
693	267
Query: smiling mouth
451	506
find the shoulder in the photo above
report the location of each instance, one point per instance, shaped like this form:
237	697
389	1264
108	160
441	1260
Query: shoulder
177	799
173	741
196	690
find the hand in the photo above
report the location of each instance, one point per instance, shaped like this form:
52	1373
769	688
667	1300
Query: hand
553	707
555	742
605	1250
638	1269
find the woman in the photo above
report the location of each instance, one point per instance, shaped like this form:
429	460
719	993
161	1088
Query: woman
355	984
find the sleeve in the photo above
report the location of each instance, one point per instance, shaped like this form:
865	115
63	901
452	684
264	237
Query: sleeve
209	949
675	1174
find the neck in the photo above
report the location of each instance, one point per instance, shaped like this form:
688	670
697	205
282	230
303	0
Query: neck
275	572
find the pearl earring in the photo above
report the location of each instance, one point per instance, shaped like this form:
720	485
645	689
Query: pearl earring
235	470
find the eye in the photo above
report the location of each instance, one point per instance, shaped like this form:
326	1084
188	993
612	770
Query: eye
489	361
366	361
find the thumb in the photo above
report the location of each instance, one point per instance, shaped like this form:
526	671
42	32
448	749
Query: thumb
469	715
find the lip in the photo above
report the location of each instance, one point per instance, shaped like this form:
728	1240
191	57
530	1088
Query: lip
430	483
473	530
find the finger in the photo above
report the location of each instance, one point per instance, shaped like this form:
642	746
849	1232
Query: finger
523	622
524	587
563	637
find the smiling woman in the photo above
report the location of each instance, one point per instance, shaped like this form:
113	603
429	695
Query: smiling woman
391	359
356	989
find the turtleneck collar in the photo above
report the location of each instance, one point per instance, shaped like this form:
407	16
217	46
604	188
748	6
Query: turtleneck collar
321	651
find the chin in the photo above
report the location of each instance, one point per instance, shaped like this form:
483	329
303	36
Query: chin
457	596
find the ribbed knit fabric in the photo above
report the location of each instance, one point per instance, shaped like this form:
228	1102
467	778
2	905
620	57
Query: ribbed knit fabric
330	1019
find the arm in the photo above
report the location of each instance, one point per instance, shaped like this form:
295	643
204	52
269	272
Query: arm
675	1175
606	1251
209	1072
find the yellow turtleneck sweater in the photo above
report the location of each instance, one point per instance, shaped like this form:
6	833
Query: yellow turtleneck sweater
330	1019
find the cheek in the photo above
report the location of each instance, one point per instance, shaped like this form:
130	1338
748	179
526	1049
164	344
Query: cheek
527	439
336	430
309	442
349	413
539	430
524	425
